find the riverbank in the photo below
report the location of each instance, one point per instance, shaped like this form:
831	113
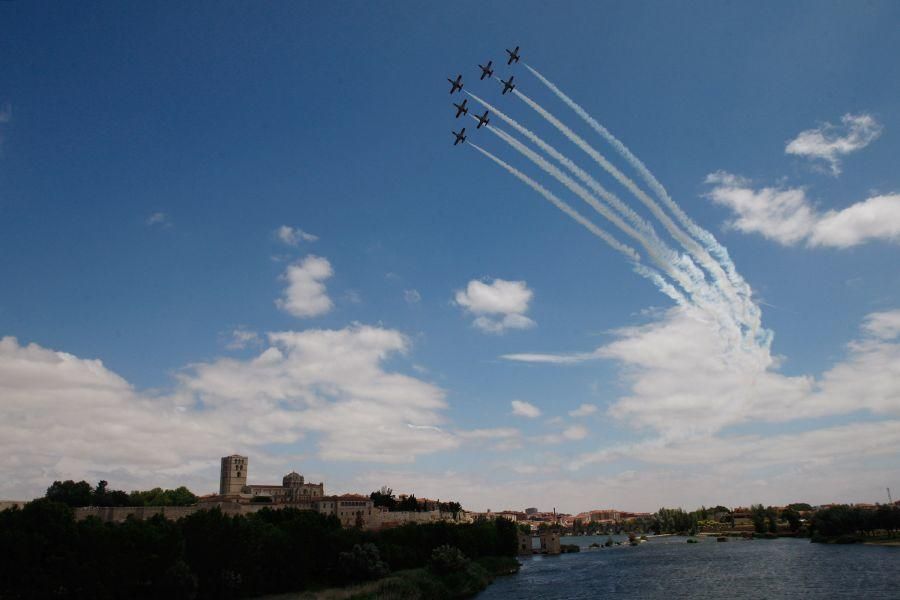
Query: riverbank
878	540
419	584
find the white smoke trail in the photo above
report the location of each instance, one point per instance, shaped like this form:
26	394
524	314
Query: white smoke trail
736	299
580	173
629	252
661	255
712	245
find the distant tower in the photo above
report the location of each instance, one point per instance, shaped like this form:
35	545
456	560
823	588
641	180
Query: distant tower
233	476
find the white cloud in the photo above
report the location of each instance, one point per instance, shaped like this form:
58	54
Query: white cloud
292	236
783	215
241	338
814	447
66	417
525	409
412	296
787	216
490	433
502	438
159	218
555	359
877	218
575	432
688	377
497	306
305	295
583	410
829	142
884	325
331	382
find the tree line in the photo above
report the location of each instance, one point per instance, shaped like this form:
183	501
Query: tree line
385	498
844	521
46	553
80	493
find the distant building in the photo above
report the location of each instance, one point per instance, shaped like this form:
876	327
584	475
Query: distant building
236	497
293	489
233	485
233	475
352	510
530	511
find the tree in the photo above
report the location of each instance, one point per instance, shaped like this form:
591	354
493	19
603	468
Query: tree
384	498
450	507
758	516
447	559
159	497
363	563
792	517
772	519
70	493
408	503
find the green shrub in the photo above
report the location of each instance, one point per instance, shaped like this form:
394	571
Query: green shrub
447	559
363	563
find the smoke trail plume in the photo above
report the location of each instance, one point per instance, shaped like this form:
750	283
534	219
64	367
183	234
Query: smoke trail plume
733	288
628	251
660	254
643	270
712	245
580	173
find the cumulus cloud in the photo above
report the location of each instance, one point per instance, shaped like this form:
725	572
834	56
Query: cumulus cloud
66	417
583	410
305	295
331	382
497	306
292	236
62	416
829	143
241	338
787	216
412	296
687	377
877	218
521	408
884	325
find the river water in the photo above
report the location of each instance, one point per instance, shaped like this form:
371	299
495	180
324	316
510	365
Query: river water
669	568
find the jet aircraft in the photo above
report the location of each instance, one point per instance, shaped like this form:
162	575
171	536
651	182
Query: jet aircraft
508	86
482	119
461	109
513	55
457	85
460	137
486	71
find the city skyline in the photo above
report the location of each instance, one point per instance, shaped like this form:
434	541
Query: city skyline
236	231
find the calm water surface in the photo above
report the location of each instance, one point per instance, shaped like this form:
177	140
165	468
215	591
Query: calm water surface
668	568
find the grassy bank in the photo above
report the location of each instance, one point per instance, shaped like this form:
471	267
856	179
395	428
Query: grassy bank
419	584
871	540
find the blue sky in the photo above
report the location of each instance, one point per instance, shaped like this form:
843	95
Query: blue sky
150	154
